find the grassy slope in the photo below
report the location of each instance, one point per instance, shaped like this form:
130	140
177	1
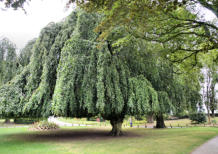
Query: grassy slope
84	140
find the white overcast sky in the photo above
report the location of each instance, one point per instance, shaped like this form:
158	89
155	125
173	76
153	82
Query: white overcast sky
20	27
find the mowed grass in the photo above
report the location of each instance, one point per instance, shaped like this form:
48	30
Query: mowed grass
96	141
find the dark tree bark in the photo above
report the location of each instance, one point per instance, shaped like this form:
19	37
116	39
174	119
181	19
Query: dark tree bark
150	118
160	121
7	121
213	113
116	127
212	98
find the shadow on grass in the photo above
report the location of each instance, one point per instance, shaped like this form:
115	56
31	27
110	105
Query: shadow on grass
63	135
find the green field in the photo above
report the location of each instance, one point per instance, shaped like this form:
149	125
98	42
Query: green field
95	140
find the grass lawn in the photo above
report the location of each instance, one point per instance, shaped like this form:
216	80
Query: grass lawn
95	140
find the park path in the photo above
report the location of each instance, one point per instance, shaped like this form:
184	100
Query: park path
210	147
61	123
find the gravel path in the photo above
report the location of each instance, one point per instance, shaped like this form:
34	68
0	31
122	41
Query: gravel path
61	123
210	147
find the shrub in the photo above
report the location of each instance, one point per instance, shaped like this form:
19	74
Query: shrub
198	117
44	125
140	118
182	115
213	121
140	122
92	118
25	121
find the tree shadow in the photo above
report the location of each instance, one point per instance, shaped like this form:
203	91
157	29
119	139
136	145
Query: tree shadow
65	135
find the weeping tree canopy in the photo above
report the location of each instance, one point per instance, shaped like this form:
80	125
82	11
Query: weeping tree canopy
8	60
71	75
25	53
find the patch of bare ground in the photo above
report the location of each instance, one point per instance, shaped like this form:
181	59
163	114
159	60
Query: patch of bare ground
66	135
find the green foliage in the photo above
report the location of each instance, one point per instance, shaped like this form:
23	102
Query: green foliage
146	98
198	117
36	82
172	24
213	121
8	57
182	115
25	120
25	53
95	81
10	98
164	102
182	33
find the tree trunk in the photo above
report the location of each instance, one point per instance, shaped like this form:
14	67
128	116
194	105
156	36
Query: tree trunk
116	127
208	114
208	98
213	114
7	121
150	118
160	121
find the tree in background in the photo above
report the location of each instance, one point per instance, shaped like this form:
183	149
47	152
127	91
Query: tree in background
8	62
38	78
8	59
209	82
25	53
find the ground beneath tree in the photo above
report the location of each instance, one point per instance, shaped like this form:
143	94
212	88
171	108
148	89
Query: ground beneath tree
70	135
210	147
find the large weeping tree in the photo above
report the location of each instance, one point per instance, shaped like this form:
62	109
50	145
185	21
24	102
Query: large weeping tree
70	74
93	79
